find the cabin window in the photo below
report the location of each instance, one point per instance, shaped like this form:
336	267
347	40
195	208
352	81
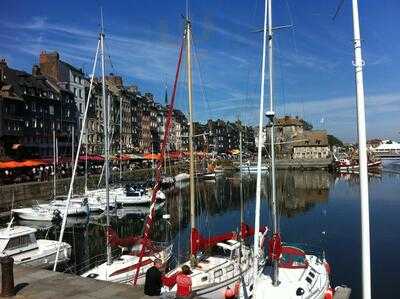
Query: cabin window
18	242
229	268
218	273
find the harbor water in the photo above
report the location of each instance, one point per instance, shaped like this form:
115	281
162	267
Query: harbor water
318	208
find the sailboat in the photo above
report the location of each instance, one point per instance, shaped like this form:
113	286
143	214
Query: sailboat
227	261
123	268
290	271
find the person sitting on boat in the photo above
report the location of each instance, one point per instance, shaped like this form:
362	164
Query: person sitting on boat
153	282
184	283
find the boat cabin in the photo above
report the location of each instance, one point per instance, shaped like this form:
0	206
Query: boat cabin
17	239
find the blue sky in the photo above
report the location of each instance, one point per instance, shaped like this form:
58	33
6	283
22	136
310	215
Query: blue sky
313	62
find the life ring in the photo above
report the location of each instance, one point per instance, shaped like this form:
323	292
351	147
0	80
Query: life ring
229	293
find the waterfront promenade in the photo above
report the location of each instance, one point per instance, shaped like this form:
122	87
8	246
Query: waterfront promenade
35	283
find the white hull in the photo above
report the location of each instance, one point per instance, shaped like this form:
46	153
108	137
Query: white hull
122	269
313	280
45	255
252	169
214	274
182	177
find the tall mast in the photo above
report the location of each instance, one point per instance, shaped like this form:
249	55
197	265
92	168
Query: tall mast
189	85
54	163
241	174
271	115
106	148
259	155
362	150
72	150
86	159
120	139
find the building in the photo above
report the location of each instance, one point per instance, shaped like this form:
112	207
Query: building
68	76
32	107
311	145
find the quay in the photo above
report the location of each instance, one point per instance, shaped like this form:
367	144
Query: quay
44	284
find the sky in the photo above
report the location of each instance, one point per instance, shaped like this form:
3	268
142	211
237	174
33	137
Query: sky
313	71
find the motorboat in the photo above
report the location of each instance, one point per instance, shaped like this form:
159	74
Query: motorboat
181	177
20	243
48	212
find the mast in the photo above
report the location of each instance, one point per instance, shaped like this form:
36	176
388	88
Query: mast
259	155
189	86
86	160
271	115
106	140
64	222
54	164
120	139
73	150
241	174
362	150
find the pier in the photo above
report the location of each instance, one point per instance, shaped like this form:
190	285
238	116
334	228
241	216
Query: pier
35	283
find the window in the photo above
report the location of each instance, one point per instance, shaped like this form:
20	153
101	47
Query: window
27	123
51	110
80	93
218	273
18	242
75	79
229	268
80	107
34	123
75	92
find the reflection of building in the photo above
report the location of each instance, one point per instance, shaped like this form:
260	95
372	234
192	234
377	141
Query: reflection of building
298	191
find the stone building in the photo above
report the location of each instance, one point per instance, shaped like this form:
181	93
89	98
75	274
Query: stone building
68	76
311	145
32	106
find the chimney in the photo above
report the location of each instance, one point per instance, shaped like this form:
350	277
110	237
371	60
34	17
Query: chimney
49	64
3	66
36	70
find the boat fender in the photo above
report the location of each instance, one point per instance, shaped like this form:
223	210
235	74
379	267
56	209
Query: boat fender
237	288
328	294
327	267
229	293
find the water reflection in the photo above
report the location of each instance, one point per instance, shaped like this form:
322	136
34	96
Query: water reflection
309	202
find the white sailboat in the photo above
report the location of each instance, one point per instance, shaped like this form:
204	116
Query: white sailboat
227	261
290	272
21	244
123	268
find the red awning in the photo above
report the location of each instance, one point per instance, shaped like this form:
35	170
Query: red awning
91	158
20	164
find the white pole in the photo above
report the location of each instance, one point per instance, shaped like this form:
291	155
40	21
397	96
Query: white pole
259	158
76	162
54	163
120	139
271	115
106	110
73	150
363	162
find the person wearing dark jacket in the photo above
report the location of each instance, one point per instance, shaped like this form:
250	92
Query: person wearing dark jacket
153	282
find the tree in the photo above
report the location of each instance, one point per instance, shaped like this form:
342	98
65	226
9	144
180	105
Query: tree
307	126
332	140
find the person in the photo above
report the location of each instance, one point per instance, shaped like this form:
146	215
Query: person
153	282
184	283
